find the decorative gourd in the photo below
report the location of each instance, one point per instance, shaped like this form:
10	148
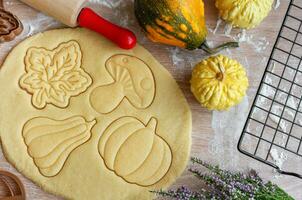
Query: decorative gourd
175	22
132	80
50	141
219	82
135	152
244	13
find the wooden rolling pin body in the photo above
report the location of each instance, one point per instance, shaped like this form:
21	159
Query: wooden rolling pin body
74	13
65	11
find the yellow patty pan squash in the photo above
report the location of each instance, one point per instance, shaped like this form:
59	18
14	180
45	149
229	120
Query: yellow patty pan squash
219	82
244	13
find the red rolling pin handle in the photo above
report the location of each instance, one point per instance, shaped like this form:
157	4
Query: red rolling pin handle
124	38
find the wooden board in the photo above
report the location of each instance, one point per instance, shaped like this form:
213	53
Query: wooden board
203	134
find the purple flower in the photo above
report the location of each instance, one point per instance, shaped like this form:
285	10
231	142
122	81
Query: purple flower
221	184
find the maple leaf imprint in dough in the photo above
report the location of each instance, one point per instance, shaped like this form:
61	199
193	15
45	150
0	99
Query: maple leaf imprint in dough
54	76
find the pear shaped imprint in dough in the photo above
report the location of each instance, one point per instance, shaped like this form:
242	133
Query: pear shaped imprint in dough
135	152
49	142
132	79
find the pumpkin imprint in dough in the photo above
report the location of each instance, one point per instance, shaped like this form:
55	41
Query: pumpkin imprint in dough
54	76
49	142
132	80
135	152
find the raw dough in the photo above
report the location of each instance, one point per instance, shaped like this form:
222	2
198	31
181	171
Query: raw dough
86	120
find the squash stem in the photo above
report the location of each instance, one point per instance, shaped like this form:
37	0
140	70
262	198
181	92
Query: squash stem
220	75
219	48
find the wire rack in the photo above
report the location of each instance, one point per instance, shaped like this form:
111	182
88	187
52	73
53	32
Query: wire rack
273	131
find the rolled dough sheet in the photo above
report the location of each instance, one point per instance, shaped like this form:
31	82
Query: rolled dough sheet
84	119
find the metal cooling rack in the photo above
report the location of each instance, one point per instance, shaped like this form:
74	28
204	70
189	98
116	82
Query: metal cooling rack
275	120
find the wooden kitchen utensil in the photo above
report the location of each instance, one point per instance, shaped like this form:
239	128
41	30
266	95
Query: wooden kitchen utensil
10	25
11	188
75	12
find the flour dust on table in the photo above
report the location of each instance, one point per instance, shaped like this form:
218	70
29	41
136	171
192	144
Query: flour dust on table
227	128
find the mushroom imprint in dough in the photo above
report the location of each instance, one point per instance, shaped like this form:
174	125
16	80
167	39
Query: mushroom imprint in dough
132	80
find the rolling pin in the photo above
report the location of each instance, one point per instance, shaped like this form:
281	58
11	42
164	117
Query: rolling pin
75	12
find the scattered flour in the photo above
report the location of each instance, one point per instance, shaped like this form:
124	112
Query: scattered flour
255	129
242	36
228	29
217	25
277	110
227	127
176	56
278	157
277	4
101	2
40	23
272	67
282	124
292	102
260	44
8	3
108	3
290	113
299	121
267	91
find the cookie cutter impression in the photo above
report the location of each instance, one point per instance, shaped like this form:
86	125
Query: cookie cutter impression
54	76
50	141
149	162
133	80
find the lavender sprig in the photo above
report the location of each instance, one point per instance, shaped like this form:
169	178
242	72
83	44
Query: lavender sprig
227	185
236	183
181	193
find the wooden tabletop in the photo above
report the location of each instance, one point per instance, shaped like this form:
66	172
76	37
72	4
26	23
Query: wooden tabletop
215	135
